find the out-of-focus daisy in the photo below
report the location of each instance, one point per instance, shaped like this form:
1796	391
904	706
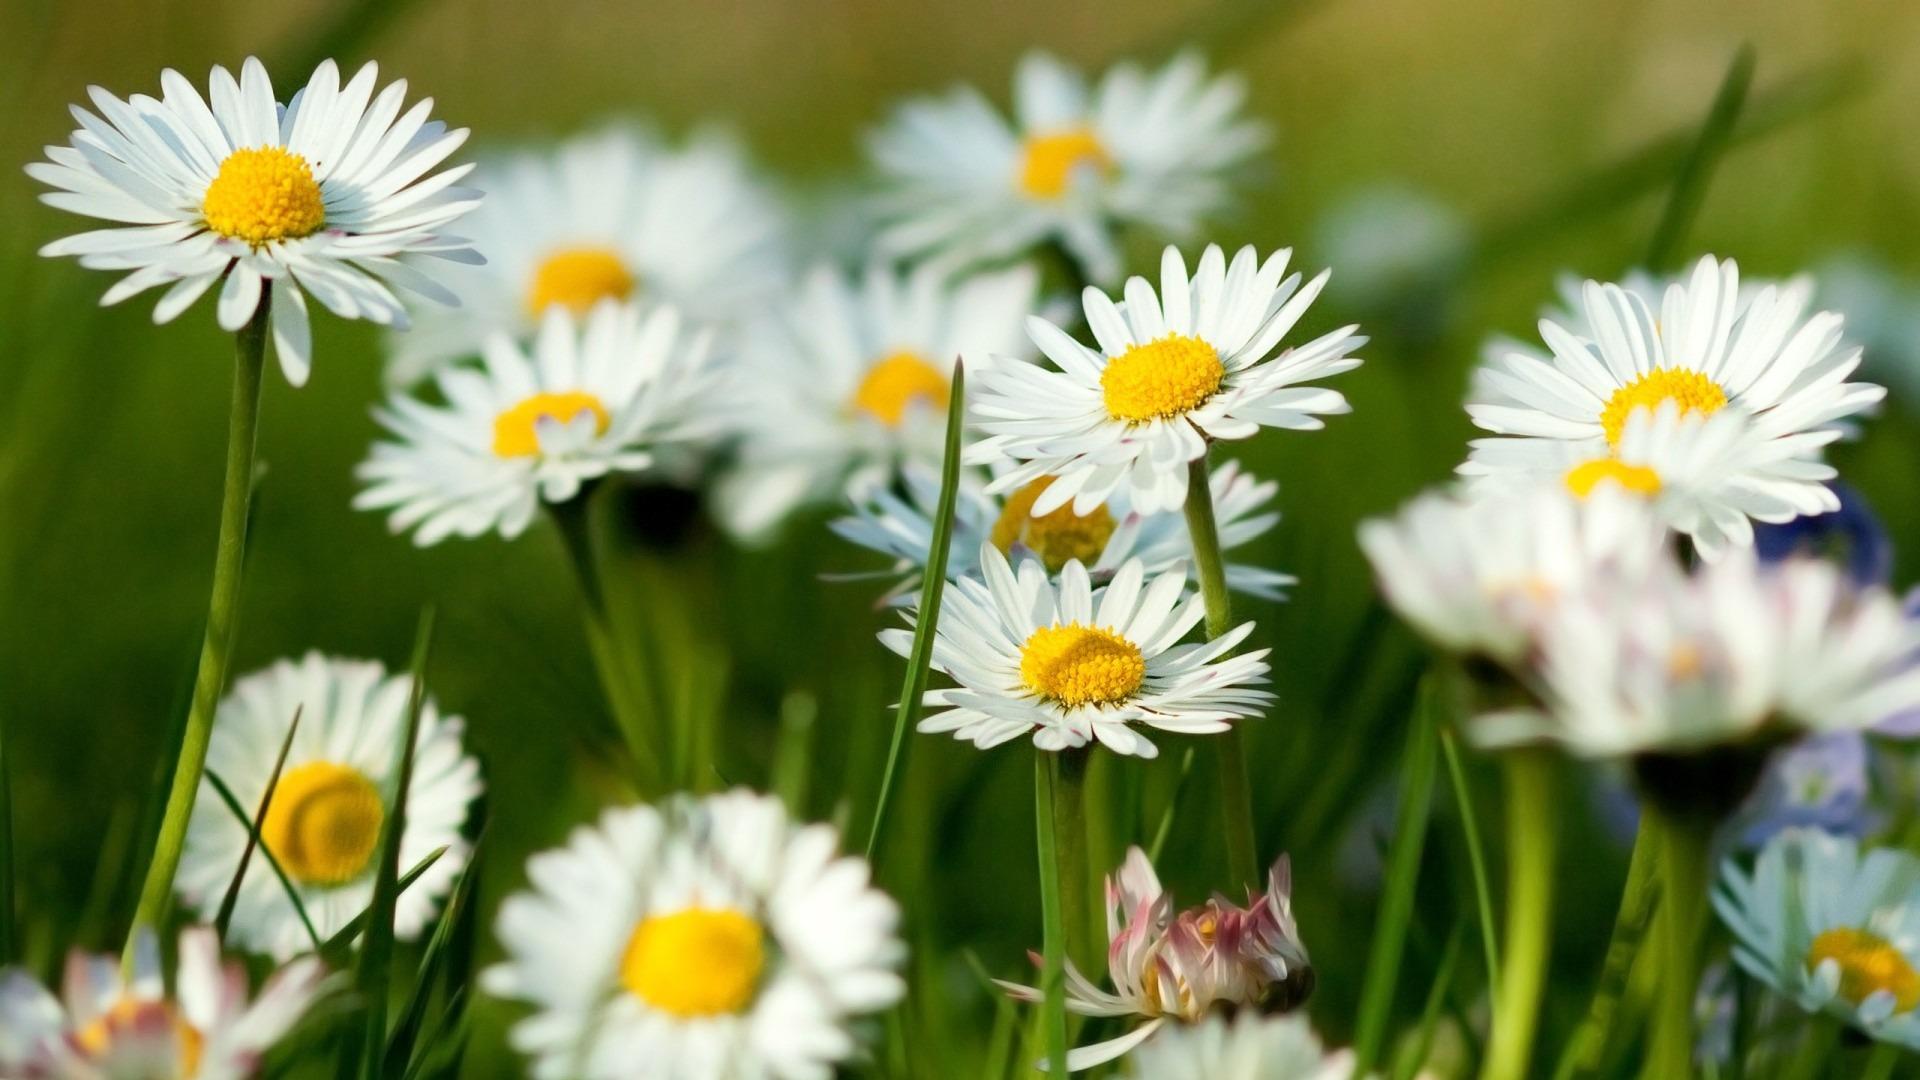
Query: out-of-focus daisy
849	379
117	1026
710	938
1476	573
616	214
323	195
1883	314
1155	149
1166	966
1172	373
1388	239
1735	653
900	524
1248	1047
1820	782
1068	663
1707	348
1834	929
336	789
596	395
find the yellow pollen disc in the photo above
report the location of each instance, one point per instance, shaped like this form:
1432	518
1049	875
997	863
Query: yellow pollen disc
1584	477
1048	161
1693	391
516	432
130	1017
578	278
1081	665
1868	964
264	194
898	382
1161	379
696	962
324	823
1057	536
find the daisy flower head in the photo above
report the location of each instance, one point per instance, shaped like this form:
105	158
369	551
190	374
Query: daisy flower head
1068	663
964	185
336	789
608	392
708	937
1832	928
1183	966
1248	1047
1476	572
326	195
110	1024
850	377
900	524
1172	373
1707	347
615	214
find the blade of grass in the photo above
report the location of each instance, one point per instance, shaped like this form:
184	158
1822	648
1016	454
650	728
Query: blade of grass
1053	982
1696	168
1422	1044
225	917
444	1040
227	796
1403	872
375	969
338	949
927	615
1476	860
400	1045
1165	828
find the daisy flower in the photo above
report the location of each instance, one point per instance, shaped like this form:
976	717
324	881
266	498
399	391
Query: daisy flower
900	524
337	787
322	195
1068	663
1735	653
1156	149
848	379
1172	373
1706	348
1181	967
712	937
1834	929
602	394
115	1025
615	214
1248	1047
1476	573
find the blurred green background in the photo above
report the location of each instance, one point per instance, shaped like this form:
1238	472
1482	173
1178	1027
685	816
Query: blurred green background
1516	116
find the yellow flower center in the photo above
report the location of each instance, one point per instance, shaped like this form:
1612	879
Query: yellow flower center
1081	665
896	383
1868	964
1584	477
578	278
1049	160
516	432
1058	536
696	962
324	823
134	1019
264	194
1161	379
1693	391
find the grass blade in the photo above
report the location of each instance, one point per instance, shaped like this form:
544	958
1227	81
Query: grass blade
1165	828
225	917
1053	980
1403	872
1422	1044
338	949
400	1045
927	616
227	796
1476	859
1696	169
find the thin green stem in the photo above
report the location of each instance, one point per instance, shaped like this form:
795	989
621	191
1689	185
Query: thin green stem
1070	834
1638	900
243	420
1684	863
1477	863
1531	833
1053	982
1236	796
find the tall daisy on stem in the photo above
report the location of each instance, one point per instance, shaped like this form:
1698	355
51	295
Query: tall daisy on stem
321	195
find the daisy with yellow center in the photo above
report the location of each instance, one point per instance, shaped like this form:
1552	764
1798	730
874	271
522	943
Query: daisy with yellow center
705	936
1057	659
1049	161
323	824
598	395
1197	362
1741	388
1831	927
331	194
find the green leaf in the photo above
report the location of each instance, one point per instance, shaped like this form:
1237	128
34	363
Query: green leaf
400	1045
227	796
225	917
927	615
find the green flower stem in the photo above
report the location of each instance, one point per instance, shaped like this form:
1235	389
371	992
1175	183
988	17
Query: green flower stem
243	421
1236	798
1685	844
1070	834
1531	828
1053	982
1638	899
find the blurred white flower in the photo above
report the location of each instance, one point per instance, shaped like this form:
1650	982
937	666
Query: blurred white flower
322	195
1388	237
1248	1047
